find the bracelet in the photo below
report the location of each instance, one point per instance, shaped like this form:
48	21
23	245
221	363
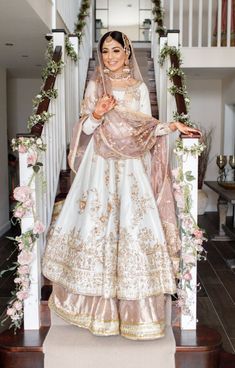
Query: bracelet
96	116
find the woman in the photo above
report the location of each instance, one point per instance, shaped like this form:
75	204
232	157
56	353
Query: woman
112	254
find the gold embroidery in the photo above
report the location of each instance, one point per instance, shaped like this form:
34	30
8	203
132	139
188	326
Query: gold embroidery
134	331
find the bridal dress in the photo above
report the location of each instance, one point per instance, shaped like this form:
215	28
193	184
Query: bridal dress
112	254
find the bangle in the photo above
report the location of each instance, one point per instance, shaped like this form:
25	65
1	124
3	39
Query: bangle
96	116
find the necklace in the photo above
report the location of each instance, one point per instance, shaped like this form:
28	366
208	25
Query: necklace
117	76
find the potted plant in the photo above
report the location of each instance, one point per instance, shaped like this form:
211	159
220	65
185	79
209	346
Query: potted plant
206	138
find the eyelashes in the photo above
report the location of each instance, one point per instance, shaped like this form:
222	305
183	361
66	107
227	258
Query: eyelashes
115	51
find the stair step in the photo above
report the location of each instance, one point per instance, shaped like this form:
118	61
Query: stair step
194	349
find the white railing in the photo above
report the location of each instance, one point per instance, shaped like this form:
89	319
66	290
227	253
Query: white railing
202	23
68	11
166	103
56	135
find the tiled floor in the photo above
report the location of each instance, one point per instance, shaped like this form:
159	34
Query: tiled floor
216	300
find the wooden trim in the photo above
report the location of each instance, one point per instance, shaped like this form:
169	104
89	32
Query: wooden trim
49	83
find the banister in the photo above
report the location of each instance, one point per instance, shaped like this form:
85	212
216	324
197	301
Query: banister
177	80
49	83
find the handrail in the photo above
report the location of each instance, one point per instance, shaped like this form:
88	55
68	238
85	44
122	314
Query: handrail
49	83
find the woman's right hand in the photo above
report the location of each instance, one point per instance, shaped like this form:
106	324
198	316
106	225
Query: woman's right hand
104	104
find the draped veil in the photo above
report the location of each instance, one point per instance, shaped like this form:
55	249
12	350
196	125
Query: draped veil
125	134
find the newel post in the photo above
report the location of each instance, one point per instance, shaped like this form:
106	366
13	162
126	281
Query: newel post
190	163
32	303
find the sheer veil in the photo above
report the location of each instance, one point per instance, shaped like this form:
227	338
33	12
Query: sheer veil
127	134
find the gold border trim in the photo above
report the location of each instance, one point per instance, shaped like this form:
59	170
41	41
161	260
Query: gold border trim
134	331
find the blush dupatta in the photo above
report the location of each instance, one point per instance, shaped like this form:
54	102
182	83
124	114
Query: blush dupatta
126	134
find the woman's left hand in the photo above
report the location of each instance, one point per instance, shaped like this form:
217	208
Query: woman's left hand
182	128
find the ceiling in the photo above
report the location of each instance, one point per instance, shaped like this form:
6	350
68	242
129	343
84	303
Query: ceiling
22	27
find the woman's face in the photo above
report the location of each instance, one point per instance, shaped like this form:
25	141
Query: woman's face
113	55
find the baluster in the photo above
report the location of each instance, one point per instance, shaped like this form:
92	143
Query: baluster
171	14
219	19
181	13
190	23
229	25
59	40
200	23
209	15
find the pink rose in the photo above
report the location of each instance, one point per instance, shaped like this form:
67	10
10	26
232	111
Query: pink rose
32	158
19	212
23	270
29	203
176	187
179	199
20	245
18	305
17	280
198	234
21	295
24	257
25	284
22	194
22	149
11	311
38	227
180	303
187	276
189	258
175	172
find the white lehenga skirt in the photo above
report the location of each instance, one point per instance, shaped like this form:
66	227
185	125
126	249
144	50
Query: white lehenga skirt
107	254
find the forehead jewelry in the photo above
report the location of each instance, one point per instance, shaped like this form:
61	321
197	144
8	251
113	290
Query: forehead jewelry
109	39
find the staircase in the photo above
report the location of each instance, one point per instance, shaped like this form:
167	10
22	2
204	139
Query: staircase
194	348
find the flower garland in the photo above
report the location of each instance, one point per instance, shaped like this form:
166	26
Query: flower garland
33	146
192	236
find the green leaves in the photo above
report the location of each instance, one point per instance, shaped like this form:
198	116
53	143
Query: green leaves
189	176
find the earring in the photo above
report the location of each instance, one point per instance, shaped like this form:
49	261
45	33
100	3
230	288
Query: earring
126	68
106	71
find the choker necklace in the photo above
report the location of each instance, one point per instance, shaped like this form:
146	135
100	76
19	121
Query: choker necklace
117	76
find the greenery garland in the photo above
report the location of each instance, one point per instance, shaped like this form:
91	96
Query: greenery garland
70	50
172	72
158	17
80	24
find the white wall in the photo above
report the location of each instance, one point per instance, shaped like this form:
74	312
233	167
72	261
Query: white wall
206	109
20	93
4	193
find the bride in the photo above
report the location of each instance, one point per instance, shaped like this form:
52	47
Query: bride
112	254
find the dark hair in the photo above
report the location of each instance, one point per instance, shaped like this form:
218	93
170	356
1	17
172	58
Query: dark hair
117	36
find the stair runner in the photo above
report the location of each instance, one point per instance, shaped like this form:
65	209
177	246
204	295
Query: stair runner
70	346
